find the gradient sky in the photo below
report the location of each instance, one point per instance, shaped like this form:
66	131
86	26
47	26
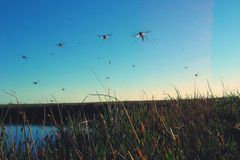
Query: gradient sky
201	34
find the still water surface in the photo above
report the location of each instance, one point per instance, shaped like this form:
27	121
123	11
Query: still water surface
35	135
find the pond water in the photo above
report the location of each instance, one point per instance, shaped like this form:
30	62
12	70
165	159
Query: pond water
34	135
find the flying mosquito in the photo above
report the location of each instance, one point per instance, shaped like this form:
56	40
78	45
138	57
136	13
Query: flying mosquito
105	36
186	67
63	89
107	77
35	82
133	65
142	35
60	45
24	57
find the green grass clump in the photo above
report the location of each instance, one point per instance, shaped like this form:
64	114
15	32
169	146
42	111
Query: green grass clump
175	129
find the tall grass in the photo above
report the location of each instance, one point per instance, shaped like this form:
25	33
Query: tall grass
200	128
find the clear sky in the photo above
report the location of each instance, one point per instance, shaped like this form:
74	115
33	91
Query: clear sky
187	37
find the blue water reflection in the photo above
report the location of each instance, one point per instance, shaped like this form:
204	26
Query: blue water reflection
34	135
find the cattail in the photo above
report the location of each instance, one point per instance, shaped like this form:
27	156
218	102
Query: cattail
154	142
140	154
142	128
221	139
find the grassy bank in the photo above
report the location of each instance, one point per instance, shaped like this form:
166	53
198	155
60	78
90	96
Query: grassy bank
176	129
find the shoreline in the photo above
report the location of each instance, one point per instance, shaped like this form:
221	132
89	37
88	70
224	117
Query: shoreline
43	113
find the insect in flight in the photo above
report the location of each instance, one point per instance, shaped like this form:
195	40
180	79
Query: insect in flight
35	82
142	35
24	57
60	45
105	36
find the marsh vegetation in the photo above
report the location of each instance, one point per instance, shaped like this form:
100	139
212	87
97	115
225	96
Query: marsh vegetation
200	128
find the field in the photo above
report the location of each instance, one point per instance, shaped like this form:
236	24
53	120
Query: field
199	128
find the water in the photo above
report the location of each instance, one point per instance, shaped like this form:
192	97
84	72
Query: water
34	135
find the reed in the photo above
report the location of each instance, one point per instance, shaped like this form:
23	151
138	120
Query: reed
199	128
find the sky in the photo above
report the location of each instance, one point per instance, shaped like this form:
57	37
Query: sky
188	43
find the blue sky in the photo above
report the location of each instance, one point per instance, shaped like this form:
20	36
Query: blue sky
202	35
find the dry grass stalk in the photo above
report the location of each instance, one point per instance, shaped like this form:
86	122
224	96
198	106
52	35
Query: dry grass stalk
126	112
130	155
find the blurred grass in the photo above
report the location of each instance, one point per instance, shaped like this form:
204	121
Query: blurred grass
199	128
